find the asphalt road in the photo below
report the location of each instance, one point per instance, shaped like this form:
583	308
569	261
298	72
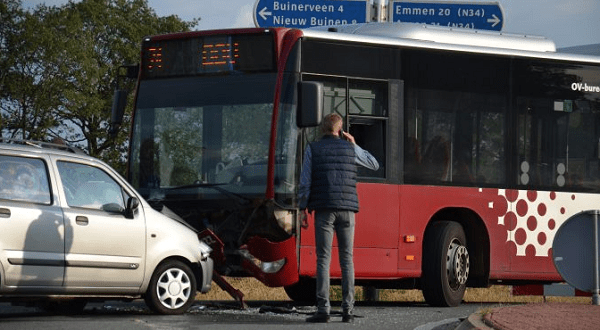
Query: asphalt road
226	315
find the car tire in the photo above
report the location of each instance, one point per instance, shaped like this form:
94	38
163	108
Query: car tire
172	289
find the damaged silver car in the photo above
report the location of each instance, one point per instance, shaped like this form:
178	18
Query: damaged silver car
72	228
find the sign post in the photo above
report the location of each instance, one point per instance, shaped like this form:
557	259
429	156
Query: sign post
309	13
472	15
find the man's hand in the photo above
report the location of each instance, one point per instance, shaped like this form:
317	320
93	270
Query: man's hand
348	137
304	219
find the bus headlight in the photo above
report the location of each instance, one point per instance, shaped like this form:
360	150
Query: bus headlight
272	267
268	267
285	220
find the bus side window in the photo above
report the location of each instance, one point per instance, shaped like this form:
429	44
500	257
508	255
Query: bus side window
363	104
367	120
554	144
436	159
369	134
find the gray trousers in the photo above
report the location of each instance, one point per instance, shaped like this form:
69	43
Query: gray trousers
342	223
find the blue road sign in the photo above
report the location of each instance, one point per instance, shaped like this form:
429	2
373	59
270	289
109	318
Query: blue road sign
309	13
575	251
472	15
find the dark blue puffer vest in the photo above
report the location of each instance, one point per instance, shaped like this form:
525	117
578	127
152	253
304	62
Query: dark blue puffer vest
333	183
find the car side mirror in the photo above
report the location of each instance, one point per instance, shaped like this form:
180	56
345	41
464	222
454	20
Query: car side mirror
132	205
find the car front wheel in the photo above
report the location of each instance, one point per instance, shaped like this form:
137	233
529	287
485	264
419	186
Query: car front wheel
172	289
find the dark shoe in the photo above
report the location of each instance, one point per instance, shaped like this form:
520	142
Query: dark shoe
347	318
318	318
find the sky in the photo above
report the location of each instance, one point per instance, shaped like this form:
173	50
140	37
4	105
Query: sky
566	22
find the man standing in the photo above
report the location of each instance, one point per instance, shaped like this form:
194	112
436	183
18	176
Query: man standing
328	186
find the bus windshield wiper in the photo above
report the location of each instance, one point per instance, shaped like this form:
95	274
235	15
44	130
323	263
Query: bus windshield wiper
214	186
196	185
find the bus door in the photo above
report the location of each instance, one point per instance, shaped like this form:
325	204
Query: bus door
365	107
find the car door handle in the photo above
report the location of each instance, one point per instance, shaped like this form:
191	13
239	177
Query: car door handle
81	220
4	213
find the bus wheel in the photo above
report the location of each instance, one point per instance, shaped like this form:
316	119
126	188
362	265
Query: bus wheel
305	290
445	264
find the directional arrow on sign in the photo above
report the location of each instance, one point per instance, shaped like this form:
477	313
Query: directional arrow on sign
309	13
263	13
486	15
495	20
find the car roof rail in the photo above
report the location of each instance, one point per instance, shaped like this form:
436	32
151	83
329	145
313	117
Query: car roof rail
42	144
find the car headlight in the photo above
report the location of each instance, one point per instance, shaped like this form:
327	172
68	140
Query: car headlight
204	255
205	251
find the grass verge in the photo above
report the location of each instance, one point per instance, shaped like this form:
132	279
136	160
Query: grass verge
255	290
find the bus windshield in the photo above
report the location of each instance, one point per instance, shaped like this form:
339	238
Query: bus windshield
204	137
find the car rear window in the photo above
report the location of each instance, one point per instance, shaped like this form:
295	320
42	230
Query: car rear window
24	179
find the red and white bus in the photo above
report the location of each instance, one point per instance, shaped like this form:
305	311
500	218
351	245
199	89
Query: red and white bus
487	143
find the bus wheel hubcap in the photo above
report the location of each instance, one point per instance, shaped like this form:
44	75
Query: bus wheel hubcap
457	263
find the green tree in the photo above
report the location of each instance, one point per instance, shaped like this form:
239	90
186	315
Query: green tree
65	64
27	92
10	14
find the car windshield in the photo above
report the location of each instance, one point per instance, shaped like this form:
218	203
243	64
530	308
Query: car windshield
194	134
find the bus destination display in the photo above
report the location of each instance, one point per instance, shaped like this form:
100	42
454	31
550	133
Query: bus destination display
207	55
220	54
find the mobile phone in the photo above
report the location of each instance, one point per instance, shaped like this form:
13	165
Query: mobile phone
341	133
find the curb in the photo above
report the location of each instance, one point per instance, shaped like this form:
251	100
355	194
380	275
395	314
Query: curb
474	322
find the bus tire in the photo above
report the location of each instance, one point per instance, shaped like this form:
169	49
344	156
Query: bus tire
304	291
445	264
